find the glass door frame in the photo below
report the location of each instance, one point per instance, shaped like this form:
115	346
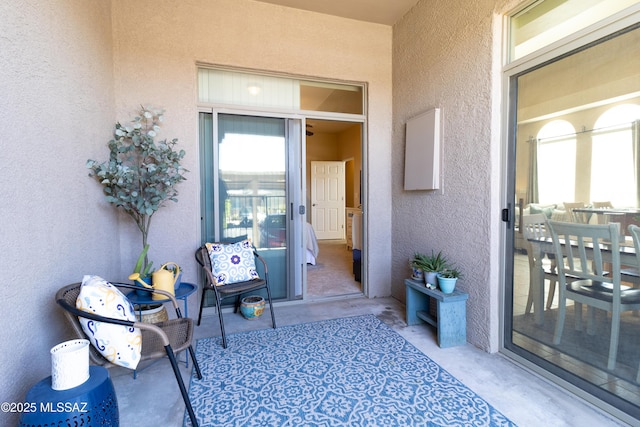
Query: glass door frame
511	72
294	189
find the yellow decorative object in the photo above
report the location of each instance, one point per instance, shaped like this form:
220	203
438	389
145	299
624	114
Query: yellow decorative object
163	280
136	278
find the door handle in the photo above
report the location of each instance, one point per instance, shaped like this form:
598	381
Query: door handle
506	215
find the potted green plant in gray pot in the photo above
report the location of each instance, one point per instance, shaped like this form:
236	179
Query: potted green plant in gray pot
432	265
141	174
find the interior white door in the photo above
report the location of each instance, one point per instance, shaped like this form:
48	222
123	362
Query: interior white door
327	199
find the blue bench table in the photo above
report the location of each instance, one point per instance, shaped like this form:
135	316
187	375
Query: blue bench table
451	318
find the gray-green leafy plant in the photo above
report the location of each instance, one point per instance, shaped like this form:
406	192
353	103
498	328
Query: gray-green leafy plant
141	173
450	272
431	263
415	262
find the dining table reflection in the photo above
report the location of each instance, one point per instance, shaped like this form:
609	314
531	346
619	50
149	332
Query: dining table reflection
622	216
544	245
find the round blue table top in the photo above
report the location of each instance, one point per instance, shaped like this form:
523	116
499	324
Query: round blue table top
184	290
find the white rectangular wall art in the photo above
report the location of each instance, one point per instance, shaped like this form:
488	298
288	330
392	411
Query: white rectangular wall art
422	152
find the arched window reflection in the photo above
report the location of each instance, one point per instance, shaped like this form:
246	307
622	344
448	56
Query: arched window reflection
556	162
613	163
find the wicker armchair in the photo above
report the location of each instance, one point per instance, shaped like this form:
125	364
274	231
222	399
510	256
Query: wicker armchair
233	290
158	340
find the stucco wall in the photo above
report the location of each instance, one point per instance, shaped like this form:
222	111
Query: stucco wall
156	47
56	112
458	53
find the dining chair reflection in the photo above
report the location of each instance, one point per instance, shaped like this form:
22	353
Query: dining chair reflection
602	217
634	230
579	217
534	227
583	246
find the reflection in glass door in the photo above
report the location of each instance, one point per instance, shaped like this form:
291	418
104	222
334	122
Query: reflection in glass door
576	147
245	181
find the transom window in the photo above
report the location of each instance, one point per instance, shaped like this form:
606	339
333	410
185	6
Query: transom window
230	87
544	22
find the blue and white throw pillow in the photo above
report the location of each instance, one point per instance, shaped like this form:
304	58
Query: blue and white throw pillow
232	263
119	344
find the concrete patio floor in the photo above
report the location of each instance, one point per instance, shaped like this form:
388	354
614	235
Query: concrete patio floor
153	398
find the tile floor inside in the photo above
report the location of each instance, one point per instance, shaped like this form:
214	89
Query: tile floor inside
153	398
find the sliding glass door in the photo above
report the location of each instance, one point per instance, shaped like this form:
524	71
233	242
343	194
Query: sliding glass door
576	142
249	189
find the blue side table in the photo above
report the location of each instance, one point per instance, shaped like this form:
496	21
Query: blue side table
92	403
183	291
451	318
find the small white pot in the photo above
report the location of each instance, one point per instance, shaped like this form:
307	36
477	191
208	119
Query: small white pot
417	274
69	364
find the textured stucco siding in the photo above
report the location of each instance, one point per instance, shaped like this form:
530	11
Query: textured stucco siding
56	112
455	48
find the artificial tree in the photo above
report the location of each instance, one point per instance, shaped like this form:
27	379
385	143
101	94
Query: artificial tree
141	173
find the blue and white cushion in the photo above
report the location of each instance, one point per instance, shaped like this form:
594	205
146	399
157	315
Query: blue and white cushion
119	344
232	263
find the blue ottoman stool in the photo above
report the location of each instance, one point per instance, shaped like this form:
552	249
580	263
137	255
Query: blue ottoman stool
92	403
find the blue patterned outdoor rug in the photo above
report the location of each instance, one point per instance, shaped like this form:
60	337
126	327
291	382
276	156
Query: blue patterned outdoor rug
354	371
